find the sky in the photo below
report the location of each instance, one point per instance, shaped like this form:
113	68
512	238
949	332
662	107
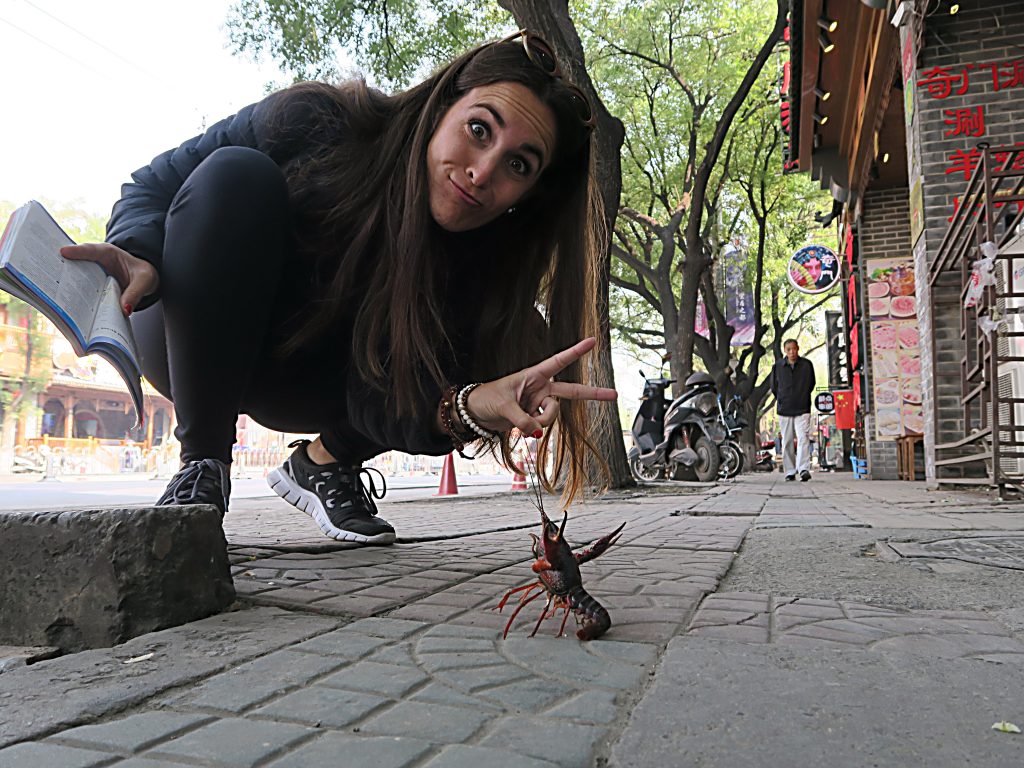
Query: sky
93	91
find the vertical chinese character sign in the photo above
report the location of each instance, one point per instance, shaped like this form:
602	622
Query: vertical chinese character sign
739	296
895	347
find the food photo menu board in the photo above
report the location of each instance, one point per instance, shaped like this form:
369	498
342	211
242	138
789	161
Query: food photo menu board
895	347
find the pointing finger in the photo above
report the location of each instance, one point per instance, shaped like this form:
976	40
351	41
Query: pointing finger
571	391
558	362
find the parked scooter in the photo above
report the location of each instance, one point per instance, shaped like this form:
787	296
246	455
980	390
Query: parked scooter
765	459
732	458
678	440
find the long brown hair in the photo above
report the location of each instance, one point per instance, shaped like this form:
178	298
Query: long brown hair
361	200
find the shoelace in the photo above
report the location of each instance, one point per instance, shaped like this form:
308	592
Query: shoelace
368	488
184	486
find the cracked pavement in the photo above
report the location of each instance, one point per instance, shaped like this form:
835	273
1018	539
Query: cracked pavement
754	623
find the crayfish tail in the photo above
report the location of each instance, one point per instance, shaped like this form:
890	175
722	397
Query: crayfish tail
593	618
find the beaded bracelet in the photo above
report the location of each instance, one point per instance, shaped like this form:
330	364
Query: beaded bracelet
447	407
462	405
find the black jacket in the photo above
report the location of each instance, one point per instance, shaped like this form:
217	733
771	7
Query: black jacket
792	386
137	226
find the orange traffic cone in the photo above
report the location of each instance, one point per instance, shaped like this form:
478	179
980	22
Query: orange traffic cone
518	480
449	486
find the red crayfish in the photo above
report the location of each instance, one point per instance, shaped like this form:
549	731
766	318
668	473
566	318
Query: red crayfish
558	571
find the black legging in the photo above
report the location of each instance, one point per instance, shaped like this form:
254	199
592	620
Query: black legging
229	283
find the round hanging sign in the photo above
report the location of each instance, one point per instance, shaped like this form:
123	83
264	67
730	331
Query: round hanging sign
813	269
824	402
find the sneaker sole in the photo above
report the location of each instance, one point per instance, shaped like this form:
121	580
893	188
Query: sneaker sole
283	485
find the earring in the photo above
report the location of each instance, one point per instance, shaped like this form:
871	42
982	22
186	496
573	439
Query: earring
511	210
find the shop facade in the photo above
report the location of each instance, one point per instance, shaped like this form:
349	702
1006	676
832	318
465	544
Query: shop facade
909	113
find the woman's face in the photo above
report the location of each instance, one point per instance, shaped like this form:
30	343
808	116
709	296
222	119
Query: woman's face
488	151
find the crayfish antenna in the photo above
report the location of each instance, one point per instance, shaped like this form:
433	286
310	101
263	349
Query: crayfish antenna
565	519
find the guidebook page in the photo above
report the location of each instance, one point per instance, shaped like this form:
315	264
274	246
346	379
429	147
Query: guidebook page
111	326
72	288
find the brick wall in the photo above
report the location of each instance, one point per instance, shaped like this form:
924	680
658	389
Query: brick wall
882	232
976	50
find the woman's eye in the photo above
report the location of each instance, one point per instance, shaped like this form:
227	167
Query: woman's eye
478	129
519	166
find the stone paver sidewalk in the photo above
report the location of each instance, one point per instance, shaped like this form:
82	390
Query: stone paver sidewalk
394	656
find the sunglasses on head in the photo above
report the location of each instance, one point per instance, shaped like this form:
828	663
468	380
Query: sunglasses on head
540	53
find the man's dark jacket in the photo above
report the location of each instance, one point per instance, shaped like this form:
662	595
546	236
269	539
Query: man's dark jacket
792	386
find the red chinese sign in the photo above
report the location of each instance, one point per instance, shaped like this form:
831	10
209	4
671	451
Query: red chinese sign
969	122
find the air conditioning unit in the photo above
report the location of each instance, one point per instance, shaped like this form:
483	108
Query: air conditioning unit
1009	275
1011	385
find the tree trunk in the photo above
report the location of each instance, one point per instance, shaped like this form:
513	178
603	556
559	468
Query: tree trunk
696	259
551	20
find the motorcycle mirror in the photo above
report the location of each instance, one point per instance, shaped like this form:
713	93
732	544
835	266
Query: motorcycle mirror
642	373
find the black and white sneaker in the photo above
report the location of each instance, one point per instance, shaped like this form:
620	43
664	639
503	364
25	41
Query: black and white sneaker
203	481
335	497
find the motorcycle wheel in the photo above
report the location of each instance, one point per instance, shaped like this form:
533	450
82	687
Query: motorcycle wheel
642	473
706	467
731	459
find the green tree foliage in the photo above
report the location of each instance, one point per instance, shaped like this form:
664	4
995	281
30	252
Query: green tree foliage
392	42
672	72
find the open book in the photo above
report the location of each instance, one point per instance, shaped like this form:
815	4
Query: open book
77	296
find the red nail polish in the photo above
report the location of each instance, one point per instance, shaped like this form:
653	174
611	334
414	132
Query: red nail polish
538	434
127	309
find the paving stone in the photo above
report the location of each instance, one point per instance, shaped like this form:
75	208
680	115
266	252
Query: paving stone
449	630
465	756
353	605
401	654
567	659
420	611
383	679
33	754
46	697
343	643
630	653
448	644
392	629
434	722
320	705
570	745
132	733
478	678
740	633
594	706
529	695
652	631
235	742
823	632
328	749
242	687
435	662
443	694
712	618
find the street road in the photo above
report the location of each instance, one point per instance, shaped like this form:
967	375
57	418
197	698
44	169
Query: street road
130	490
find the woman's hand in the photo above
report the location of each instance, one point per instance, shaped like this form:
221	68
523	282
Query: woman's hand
136	277
528	399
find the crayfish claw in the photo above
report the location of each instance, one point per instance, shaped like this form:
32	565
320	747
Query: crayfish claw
600	546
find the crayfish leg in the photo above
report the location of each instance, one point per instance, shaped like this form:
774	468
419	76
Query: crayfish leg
522	604
565	618
543	615
513	591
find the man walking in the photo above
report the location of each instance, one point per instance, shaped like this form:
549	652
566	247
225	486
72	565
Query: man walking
792	384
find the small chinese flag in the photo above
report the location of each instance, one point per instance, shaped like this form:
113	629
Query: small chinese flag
845	416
